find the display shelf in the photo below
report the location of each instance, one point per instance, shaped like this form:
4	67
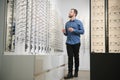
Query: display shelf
105	35
37	27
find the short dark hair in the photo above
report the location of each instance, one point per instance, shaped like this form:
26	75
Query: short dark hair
75	11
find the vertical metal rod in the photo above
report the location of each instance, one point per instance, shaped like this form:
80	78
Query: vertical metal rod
11	33
90	25
106	28
26	46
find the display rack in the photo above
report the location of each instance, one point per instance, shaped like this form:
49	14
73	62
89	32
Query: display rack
37	25
114	26
10	26
97	26
105	38
105	29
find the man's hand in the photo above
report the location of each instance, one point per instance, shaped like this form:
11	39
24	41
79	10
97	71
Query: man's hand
70	29
63	30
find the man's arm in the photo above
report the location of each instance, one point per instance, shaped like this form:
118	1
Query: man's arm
80	30
65	30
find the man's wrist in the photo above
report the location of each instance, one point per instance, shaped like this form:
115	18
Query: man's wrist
74	30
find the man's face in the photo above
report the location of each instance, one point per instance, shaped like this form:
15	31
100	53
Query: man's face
71	13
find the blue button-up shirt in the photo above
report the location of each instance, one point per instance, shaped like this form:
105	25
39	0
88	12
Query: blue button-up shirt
74	37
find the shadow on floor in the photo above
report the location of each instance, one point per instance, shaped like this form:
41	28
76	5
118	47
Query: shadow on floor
83	75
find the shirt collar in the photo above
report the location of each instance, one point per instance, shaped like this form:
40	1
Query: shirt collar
72	20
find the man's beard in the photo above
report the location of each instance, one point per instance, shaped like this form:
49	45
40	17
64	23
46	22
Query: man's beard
70	16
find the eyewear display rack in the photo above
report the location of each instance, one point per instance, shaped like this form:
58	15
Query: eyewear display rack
105	39
33	27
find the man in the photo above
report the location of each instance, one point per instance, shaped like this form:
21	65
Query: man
73	30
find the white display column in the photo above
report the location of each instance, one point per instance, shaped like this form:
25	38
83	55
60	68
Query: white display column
97	26
114	25
21	22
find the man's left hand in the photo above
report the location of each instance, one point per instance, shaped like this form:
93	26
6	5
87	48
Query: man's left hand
70	29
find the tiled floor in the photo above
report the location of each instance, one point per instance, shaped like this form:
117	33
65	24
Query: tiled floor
83	75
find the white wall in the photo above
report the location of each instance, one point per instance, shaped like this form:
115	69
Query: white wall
83	14
2	13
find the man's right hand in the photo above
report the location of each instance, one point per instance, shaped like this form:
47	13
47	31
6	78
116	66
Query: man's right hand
63	30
